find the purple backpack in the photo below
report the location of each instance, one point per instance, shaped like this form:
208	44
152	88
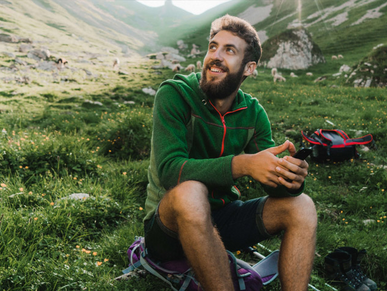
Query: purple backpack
179	275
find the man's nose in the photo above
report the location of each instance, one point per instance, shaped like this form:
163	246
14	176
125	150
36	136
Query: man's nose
218	55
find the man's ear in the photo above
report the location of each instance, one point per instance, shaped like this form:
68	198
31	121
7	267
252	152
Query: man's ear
249	68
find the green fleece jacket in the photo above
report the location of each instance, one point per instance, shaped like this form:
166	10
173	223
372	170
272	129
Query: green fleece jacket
191	140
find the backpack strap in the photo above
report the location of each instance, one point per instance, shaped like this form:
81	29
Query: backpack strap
147	267
132	267
360	140
313	139
268	267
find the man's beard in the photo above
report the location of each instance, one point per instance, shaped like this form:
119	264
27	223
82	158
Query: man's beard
222	89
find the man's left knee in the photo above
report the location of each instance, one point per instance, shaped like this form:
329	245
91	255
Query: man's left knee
304	210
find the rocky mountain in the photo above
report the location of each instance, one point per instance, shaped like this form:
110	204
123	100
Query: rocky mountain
347	27
91	34
293	49
371	71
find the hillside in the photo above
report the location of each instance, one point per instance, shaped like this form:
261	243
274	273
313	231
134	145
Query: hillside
75	135
348	27
124	26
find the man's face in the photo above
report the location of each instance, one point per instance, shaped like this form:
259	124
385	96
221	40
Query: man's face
222	66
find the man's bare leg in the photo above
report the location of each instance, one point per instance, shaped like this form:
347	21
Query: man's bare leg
185	209
297	217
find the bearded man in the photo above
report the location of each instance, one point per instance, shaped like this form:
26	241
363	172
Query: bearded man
206	134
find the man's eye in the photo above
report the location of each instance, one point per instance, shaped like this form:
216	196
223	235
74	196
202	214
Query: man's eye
229	50
212	47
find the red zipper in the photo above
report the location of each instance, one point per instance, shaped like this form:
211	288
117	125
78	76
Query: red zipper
224	124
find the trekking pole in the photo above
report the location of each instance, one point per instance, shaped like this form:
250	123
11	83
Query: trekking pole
265	248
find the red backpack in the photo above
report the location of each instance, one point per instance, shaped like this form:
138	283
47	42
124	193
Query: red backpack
335	145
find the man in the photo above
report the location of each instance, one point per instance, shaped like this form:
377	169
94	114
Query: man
206	134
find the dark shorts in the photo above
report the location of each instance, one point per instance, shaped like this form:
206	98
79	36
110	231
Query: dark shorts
239	224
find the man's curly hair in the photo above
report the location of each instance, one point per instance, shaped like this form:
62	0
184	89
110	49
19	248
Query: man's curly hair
244	30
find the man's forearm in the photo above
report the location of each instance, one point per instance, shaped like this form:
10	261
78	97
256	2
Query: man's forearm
239	166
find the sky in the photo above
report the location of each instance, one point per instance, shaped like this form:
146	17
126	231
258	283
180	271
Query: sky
193	6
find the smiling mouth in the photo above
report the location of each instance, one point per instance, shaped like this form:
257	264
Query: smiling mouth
216	70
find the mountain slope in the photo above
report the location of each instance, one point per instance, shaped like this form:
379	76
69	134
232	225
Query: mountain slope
347	27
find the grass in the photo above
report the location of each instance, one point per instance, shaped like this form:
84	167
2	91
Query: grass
60	147
57	140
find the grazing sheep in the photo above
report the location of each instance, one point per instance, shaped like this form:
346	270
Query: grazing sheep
194	51
61	63
293	75
340	57
190	68
177	68
277	76
309	74
199	65
116	64
254	74
334	57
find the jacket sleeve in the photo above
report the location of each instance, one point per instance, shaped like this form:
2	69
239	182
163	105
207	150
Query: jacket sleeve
261	140
262	137
171	115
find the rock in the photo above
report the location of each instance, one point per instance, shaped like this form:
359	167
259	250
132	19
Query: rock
46	66
24	48
319	79
39	54
77	196
175	57
25	40
93	102
7	54
8	38
293	49
149	91
14	195
88	72
364	148
23	80
345	68
20	62
368	221
368	83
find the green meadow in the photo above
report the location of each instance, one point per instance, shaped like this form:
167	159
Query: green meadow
55	142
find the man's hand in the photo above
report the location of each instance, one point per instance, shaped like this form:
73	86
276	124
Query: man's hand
292	172
266	168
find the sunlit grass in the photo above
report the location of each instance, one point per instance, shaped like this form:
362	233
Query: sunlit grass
49	241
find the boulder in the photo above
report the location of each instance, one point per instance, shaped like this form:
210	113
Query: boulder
7	54
371	71
39	54
46	66
8	38
24	48
293	49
